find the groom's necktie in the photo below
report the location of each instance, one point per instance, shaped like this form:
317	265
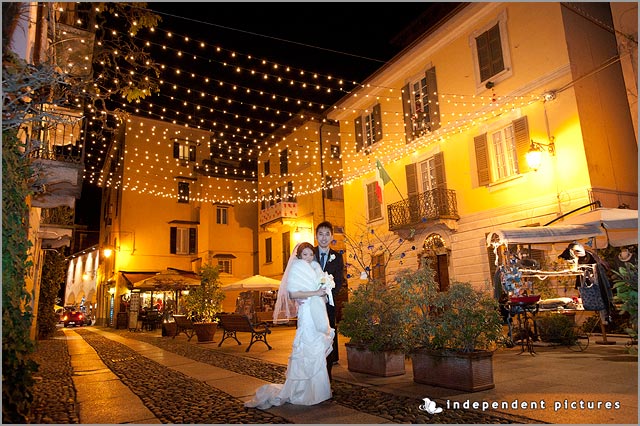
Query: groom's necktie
322	259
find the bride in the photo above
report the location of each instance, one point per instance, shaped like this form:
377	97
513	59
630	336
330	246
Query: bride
307	381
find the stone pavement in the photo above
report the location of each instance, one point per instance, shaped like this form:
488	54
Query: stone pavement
141	377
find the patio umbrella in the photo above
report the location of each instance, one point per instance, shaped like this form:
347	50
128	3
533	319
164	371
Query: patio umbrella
255	282
168	280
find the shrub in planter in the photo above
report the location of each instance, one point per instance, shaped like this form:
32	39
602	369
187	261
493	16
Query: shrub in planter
450	332
375	320
205	301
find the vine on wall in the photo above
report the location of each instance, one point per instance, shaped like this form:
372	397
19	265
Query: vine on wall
17	367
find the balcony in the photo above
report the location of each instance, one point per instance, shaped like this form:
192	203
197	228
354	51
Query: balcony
55	149
56	227
418	209
281	210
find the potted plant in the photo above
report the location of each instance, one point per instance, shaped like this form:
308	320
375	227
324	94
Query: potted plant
450	332
204	302
374	320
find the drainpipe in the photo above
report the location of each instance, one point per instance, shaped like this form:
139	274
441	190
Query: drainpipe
323	180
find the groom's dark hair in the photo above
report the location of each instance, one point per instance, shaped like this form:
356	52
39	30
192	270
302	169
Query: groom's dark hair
325	224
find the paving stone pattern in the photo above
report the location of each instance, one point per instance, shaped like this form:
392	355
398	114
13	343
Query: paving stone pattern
198	402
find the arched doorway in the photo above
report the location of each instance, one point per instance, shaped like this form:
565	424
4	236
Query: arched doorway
436	252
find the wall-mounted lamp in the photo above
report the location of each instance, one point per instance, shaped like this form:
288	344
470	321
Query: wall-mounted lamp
300	233
112	291
107	252
534	156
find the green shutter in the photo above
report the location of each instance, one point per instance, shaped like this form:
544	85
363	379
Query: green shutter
432	96
377	123
522	140
441	177
482	159
406	111
358	132
173	231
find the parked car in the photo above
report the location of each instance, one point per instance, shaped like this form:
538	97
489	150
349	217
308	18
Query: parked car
73	317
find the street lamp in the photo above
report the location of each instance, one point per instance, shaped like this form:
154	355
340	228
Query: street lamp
534	156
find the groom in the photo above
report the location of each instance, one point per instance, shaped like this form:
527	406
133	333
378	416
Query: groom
332	263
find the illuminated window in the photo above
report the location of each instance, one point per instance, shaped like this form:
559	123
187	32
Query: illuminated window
183	192
182	240
221	215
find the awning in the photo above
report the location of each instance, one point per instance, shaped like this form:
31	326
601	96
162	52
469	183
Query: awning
543	234
620	225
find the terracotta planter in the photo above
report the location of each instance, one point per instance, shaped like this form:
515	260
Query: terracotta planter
169	329
205	331
471	372
384	364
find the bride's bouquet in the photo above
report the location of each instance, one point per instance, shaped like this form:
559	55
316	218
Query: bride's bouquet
328	284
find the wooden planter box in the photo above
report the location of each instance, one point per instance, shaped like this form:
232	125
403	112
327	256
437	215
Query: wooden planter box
384	364
205	331
471	372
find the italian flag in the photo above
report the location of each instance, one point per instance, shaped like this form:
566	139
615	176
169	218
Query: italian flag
382	178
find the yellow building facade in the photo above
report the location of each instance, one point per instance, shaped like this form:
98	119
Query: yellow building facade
299	185
165	206
452	118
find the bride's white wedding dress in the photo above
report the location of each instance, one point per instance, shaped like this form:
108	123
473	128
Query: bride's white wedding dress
307	381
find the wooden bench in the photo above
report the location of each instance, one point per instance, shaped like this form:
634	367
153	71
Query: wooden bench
184	325
232	323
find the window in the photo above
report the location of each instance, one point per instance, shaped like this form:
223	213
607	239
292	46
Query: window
378	270
333	192
184	151
284	162
368	129
489	53
374	206
286	194
221	215
225	265
335	152
268	250
500	153
428	175
183	192
182	240
420	105
266	168
490	47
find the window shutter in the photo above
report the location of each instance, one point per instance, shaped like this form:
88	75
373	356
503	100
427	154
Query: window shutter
412	179
192	153
377	123
521	134
358	133
482	160
192	240
176	150
406	110
441	177
173	232
432	96
375	211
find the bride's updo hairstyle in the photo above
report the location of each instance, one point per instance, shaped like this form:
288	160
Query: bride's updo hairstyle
301	248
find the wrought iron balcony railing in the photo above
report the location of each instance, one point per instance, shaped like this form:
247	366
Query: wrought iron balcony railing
417	209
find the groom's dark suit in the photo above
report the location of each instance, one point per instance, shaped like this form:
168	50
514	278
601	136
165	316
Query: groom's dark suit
334	265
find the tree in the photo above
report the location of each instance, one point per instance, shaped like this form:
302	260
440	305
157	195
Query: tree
365	247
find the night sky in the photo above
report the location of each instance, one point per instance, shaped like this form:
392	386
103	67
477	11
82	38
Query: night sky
346	41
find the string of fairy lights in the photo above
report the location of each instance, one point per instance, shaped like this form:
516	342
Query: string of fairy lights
202	101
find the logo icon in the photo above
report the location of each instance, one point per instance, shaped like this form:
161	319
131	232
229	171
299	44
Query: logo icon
430	406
